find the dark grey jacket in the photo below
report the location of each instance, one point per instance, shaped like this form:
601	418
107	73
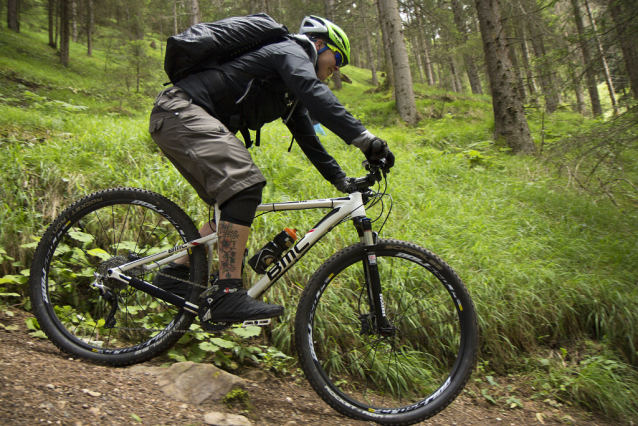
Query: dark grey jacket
261	86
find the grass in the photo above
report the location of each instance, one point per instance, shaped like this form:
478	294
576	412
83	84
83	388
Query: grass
546	266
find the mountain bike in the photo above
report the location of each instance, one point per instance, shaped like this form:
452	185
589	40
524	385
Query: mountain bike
385	331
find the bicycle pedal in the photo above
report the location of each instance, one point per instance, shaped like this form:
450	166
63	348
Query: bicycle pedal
256	323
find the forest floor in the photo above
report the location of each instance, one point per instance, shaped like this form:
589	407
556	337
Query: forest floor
41	385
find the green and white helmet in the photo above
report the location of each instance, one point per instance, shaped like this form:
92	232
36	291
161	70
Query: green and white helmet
321	26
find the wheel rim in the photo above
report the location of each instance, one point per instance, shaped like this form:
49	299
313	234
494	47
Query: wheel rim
105	235
404	370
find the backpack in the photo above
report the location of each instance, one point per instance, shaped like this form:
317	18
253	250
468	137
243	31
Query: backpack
212	43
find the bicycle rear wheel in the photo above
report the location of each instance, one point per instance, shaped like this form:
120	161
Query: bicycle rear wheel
404	376
104	230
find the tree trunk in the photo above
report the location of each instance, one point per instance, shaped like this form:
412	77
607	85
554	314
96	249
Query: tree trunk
520	84
521	34
355	49
404	91
543	69
628	40
453	77
89	28
425	48
417	57
366	37
387	66
457	83
578	90
589	69
64	32
74	20
13	18
57	22
195	13
603	61
51	11
472	72
175	17
510	123
329	9
379	49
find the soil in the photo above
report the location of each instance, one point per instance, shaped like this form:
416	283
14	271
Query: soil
41	385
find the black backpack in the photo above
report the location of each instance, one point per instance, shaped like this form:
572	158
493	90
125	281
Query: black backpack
209	44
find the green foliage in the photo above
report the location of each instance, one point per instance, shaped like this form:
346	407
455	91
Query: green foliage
596	380
542	261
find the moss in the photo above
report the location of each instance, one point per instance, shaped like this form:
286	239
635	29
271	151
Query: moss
238	396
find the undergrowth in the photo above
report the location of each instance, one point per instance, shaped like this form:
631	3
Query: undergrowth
547	266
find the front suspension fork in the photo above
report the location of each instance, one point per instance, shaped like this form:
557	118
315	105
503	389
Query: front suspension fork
371	272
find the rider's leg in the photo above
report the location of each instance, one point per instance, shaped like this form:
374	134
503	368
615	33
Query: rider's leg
231	302
232	243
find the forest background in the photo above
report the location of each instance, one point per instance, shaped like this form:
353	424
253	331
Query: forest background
514	124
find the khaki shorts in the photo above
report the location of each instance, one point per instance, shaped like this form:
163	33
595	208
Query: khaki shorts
214	161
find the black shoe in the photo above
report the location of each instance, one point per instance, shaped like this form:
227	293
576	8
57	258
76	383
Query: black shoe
231	303
175	286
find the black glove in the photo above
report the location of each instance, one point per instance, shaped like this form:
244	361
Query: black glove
344	184
379	151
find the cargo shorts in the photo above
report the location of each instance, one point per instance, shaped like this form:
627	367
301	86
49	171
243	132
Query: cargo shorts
211	158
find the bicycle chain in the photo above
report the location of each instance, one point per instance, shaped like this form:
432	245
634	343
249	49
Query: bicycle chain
163	329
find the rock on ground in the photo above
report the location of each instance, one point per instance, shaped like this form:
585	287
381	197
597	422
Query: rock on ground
221	419
193	383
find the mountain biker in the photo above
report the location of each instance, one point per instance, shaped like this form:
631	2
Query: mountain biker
194	124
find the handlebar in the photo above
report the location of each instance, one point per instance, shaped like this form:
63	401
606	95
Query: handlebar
375	174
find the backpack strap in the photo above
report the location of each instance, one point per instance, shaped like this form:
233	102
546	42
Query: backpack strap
245	133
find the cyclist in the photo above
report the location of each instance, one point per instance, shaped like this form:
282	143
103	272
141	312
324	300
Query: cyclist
194	124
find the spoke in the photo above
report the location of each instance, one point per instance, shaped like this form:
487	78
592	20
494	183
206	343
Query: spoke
362	345
80	261
386	379
121	229
113	226
137	240
108	340
165	237
399	316
398	320
104	232
365	389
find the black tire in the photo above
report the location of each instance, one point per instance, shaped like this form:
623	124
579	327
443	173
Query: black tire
401	378
105	229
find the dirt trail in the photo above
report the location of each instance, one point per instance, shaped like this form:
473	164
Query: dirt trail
40	385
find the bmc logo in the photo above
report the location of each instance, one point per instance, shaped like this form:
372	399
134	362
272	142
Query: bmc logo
279	267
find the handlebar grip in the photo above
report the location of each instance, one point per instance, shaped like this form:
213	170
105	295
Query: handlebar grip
377	146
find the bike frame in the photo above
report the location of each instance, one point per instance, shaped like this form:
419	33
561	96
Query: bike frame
342	207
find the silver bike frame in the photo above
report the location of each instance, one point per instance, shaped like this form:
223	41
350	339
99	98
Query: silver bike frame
341	207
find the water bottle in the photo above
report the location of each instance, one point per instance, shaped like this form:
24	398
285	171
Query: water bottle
271	252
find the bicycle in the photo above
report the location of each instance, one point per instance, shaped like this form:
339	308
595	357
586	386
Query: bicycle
385	331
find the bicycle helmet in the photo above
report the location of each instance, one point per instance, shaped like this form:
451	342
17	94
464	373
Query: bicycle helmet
337	37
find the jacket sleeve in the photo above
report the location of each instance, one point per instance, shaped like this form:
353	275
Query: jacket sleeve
300	125
298	73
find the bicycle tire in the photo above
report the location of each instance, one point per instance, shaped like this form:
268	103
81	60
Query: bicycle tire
102	230
401	378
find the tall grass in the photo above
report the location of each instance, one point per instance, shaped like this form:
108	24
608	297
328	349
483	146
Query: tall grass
545	265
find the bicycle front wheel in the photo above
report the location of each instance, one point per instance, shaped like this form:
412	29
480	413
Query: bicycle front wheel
105	230
398	377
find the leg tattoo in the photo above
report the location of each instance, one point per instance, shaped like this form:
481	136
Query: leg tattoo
228	248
